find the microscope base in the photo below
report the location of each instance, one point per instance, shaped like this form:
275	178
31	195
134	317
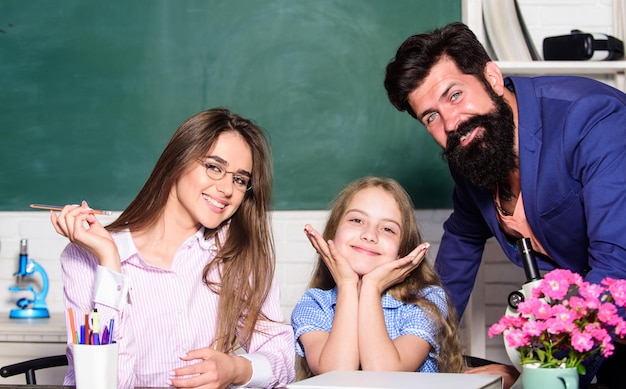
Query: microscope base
29	313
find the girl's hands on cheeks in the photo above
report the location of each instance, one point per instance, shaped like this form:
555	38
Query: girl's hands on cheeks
394	272
215	370
339	268
81	227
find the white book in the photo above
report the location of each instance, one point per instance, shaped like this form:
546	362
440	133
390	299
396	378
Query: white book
619	19
397	380
504	31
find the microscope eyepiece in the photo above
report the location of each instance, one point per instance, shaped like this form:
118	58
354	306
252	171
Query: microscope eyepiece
528	259
24	247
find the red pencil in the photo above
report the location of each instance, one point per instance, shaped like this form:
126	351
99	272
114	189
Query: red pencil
87	334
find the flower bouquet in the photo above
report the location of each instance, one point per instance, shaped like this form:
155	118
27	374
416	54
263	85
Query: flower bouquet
565	321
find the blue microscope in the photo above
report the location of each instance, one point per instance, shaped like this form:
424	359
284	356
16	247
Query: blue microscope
30	308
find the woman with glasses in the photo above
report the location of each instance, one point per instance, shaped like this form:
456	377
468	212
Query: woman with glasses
186	273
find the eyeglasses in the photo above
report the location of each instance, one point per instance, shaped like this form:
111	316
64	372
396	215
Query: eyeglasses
217	171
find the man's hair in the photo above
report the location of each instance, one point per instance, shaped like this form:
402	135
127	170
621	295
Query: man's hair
419	53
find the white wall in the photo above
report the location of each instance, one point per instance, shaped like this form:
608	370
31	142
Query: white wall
295	261
295	256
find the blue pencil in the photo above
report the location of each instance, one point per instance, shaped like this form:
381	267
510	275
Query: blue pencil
82	334
111	324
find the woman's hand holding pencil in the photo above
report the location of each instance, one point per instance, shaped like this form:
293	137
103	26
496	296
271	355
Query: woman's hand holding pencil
79	224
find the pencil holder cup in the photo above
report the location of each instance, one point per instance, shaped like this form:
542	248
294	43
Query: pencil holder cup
95	366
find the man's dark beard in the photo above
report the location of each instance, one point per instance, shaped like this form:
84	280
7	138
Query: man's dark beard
489	158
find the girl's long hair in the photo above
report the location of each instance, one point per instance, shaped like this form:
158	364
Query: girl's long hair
450	357
246	259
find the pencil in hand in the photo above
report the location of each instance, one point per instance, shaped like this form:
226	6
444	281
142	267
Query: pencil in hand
60	207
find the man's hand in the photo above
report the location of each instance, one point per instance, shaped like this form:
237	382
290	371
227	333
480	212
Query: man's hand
508	372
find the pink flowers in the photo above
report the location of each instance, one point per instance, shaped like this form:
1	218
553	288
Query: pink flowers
565	321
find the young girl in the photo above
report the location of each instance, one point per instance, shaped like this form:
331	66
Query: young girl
374	304
187	270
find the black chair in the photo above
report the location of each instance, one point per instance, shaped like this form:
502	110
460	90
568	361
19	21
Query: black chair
29	367
477	362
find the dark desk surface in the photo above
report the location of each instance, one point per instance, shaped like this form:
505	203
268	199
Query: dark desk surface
15	386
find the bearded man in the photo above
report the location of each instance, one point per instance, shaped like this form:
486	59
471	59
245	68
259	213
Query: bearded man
541	158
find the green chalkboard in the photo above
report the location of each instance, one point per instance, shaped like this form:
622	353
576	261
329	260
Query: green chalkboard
92	91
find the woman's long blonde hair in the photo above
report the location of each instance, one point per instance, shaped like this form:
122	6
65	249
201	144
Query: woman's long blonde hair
246	258
450	357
